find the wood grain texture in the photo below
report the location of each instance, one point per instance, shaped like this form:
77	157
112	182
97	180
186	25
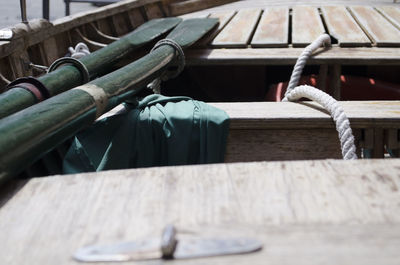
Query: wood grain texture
288	56
342	26
224	18
248	145
239	30
272	31
318	212
182	7
284	115
391	13
376	26
306	25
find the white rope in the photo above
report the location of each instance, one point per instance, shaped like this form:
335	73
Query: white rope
81	49
335	110
294	93
324	39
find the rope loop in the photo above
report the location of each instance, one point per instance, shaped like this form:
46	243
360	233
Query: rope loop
69	60
179	61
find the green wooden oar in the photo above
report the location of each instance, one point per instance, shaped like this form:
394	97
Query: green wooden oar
29	133
97	63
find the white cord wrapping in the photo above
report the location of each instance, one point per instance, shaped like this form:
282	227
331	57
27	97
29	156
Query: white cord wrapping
81	49
294	93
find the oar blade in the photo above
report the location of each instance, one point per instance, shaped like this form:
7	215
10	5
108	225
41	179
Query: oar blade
152	29
191	30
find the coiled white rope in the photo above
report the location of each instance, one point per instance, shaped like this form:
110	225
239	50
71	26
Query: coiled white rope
80	50
294	93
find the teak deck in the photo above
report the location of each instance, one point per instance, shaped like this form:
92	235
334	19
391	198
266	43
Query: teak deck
261	35
312	212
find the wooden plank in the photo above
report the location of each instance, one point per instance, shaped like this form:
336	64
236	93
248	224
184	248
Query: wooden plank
391	13
51	50
272	31
183	7
135	17
153	11
248	145
301	211
239	30
380	30
307	115
224	17
342	26
121	23
306	25
288	56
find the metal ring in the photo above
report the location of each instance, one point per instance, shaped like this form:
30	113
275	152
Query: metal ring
180	56
37	88
78	64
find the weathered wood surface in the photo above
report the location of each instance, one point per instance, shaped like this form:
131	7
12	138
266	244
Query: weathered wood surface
288	56
306	25
183	7
224	18
248	145
272	30
391	13
376	26
343	27
239	30
314	212
284	115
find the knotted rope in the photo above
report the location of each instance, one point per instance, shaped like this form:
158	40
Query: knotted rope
294	93
168	74
81	49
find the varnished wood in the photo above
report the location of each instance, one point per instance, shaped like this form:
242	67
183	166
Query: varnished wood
239	30
343	27
315	212
306	25
376	26
272	31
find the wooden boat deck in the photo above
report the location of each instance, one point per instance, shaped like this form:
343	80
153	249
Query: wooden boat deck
311	212
250	33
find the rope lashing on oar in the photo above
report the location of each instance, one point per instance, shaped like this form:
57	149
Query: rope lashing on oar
294	93
168	74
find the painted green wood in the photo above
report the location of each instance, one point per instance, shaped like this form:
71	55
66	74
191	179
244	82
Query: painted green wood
97	63
30	133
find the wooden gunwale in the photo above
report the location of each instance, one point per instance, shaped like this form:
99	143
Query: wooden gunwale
303	211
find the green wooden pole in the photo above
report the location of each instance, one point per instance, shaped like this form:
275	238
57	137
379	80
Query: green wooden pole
30	133
97	63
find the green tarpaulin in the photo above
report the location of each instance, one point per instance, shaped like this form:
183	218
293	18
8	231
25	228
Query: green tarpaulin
159	131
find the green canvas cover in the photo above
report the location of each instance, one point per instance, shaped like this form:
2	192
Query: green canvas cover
159	131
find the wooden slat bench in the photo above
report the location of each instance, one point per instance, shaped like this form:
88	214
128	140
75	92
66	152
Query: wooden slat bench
310	212
276	34
268	131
